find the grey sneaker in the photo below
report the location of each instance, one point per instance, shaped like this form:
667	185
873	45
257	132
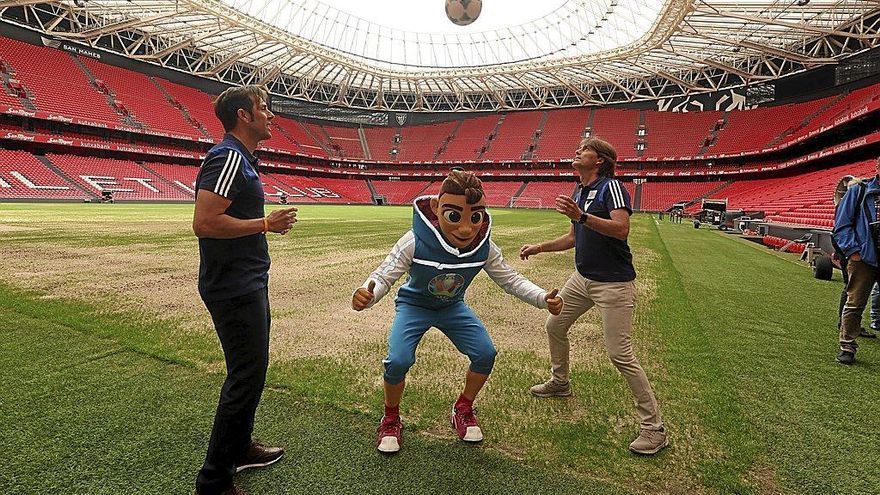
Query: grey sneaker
649	442
551	388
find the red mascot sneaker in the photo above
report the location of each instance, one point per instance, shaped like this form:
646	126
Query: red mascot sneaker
464	420
389	436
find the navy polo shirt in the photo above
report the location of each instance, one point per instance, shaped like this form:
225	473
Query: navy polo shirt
599	257
233	267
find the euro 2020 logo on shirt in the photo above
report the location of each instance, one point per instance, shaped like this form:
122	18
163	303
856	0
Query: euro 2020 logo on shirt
446	285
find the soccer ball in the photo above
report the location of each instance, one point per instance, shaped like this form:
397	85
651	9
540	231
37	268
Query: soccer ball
463	12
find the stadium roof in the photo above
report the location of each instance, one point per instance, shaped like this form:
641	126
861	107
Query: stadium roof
574	52
414	36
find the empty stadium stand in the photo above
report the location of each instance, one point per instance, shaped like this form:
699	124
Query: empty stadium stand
514	136
10	95
660	196
845	104
274	188
296	134
471	139
24	176
38	68
278	142
299	188
677	133
107	94
345	142
197	104
755	129
381	144
562	133
351	190
400	192
139	96
498	193
125	178
545	192
618	127
803	200
181	176
423	143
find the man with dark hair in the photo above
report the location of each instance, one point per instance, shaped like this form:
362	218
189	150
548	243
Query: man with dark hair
447	247
604	277
231	225
228	104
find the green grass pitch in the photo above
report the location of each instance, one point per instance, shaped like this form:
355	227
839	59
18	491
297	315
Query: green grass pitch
111	370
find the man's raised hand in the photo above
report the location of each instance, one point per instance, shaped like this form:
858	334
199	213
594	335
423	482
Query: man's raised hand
363	297
568	207
554	302
281	221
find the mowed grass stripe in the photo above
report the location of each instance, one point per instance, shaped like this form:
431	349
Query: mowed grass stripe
701	409
84	415
771	327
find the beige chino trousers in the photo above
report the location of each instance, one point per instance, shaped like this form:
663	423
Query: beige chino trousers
615	302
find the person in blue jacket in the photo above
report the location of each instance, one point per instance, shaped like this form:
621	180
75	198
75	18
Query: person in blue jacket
857	234
447	247
843	186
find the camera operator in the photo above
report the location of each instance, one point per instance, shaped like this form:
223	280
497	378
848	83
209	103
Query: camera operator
843	186
857	234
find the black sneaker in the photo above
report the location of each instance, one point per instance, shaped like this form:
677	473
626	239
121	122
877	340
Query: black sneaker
846	357
867	334
257	456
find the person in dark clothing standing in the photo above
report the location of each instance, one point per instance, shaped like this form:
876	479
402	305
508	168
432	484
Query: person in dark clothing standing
231	225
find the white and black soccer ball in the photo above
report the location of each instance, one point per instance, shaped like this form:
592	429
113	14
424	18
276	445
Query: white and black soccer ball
463	12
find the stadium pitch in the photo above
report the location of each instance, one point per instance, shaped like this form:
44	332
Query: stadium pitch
111	368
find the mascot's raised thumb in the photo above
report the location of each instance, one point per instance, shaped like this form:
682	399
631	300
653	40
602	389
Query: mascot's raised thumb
554	302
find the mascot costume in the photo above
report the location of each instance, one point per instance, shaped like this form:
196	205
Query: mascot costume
446	248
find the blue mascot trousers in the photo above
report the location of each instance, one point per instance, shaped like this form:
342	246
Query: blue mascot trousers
458	322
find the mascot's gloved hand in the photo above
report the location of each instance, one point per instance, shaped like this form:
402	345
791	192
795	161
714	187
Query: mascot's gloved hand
554	302
363	297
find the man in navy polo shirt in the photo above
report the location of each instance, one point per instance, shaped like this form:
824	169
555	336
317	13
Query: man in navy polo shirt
231	225
605	278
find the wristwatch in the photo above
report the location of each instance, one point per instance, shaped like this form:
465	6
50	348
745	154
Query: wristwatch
583	219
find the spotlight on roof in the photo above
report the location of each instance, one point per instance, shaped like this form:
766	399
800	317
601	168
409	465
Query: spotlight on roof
801	3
